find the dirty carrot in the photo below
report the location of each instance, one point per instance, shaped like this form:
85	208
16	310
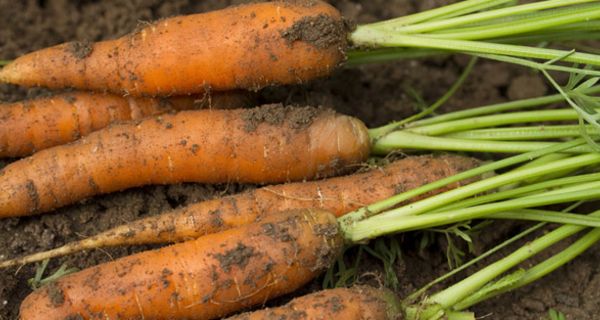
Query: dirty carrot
282	42
356	303
206	278
267	144
338	195
241	47
62	118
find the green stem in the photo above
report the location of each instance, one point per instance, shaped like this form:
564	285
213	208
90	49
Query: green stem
351	218
476	17
540	270
462	7
495	120
370	37
525	190
547	216
463	289
499	107
524	133
400	140
532	23
539	66
379	226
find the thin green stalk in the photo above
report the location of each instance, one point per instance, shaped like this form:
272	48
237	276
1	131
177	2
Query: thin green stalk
419	293
375	208
525	190
400	140
378	132
382	225
500	107
477	17
495	120
5	62
359	57
524	133
539	21
539	66
491	183
540	270
447	298
462	7
547	216
371	37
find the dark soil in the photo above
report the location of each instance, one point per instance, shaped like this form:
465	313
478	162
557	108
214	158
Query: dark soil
377	94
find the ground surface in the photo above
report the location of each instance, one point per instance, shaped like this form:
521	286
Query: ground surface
376	94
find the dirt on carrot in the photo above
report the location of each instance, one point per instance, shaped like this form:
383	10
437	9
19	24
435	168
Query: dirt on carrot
62	118
206	278
356	303
256	45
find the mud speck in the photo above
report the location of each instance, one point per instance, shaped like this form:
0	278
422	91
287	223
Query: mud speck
80	49
56	295
321	31
238	256
273	114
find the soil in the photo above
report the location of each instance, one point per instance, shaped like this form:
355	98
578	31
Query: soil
376	94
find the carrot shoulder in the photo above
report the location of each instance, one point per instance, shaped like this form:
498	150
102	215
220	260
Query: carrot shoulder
261	145
356	303
247	47
62	118
206	278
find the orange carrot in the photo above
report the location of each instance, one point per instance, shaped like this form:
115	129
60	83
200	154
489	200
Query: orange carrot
242	47
206	278
356	303
338	195
261	145
50	121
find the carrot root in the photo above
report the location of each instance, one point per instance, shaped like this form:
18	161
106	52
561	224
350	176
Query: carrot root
241	47
356	303
339	195
206	278
268	144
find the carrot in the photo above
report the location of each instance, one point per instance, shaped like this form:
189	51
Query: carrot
267	144
338	195
242	47
50	121
206	278
356	303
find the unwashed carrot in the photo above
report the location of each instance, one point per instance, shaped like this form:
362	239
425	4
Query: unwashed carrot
338	195
356	303
40	123
261	145
242	47
206	278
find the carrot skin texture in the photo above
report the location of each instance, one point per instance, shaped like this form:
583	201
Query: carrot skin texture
209	146
62	118
240	47
206	278
356	303
338	195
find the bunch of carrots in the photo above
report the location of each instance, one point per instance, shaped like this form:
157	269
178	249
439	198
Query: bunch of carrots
230	253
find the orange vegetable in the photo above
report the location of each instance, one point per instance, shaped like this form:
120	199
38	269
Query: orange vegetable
356	303
338	195
50	121
210	277
241	47
261	145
